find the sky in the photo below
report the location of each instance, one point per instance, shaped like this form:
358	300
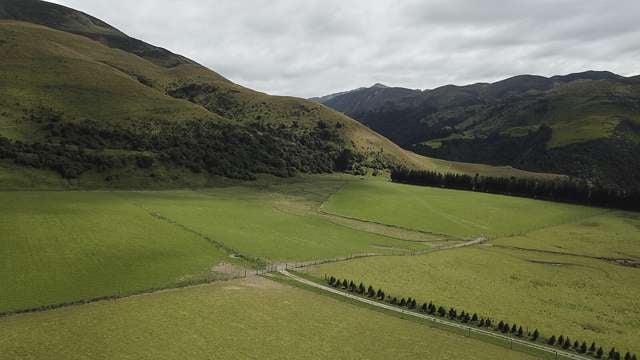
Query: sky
317	47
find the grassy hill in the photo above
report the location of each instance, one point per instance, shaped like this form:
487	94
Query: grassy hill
584	124
81	99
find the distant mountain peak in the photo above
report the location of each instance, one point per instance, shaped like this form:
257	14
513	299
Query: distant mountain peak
379	86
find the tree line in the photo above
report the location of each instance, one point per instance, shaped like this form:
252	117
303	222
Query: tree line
562	342
561	190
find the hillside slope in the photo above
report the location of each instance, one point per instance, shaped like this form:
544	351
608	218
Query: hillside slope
584	124
82	99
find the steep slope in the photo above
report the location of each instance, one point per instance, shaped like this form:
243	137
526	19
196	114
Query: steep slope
584	124
81	98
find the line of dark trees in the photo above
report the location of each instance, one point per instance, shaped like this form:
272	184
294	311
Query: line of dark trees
232	150
561	190
473	319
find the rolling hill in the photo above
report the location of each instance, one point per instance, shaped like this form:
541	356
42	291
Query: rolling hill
82	100
584	124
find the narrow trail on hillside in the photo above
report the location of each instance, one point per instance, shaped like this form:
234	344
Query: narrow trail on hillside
439	321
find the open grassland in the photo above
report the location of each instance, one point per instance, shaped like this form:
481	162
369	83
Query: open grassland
58	247
548	275
248	319
450	212
614	235
587	299
64	246
272	222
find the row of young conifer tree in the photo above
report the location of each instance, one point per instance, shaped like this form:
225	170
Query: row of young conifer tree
563	342
561	190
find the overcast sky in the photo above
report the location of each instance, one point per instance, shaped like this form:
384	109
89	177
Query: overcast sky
315	47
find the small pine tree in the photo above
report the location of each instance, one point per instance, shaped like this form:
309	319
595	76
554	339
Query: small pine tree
592	348
487	323
561	340
441	311
394	301
505	329
361	288
403	302
380	294
413	304
520	332
481	324
552	340
462	315
474	318
345	284
583	348
627	356
576	345
424	308
371	292
514	329
612	353
599	353
501	325
536	335
567	343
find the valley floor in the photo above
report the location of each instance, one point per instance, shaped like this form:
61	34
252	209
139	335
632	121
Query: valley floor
560	268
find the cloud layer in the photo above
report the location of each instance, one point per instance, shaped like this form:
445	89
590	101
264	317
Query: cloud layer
315	47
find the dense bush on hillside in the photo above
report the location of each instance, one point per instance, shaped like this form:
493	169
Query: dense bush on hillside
613	161
572	191
231	150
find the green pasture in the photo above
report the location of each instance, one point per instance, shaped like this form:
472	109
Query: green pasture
450	212
59	247
64	246
586	299
271	223
233	320
613	235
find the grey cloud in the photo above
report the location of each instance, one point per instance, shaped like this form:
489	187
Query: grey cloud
313	47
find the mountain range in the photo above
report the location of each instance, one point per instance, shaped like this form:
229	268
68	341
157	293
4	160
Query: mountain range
585	124
83	103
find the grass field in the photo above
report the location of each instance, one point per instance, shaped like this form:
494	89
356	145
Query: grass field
64	246
568	292
261	223
248	319
587	299
450	212
614	235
